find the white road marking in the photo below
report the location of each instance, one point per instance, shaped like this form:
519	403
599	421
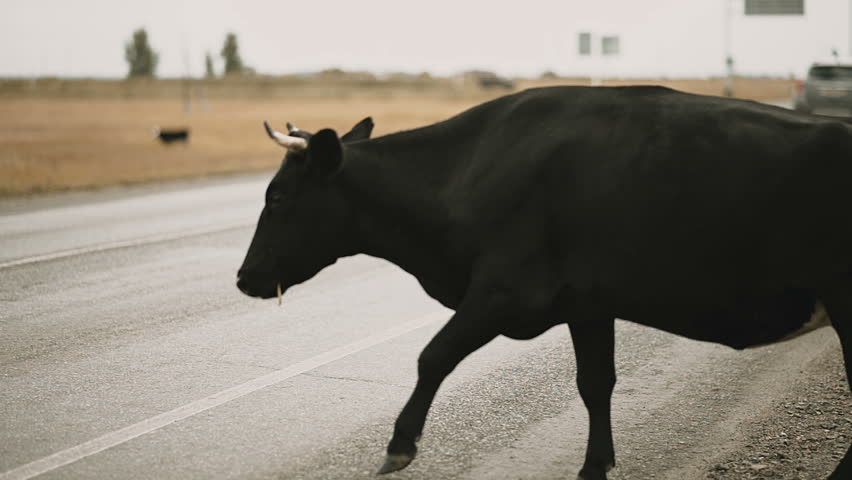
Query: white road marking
135	242
86	449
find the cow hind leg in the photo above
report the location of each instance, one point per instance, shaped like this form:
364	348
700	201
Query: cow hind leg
594	348
839	305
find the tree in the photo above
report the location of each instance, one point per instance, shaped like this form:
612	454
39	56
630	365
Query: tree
209	71
230	52
141	58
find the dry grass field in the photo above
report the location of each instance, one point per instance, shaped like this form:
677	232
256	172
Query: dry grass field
55	142
753	88
61	144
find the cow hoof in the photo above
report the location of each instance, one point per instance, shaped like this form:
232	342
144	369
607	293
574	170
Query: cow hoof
592	476
593	473
394	462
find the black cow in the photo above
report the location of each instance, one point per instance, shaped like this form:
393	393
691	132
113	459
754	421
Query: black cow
171	135
720	220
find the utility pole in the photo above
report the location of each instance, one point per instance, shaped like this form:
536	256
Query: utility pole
729	57
187	77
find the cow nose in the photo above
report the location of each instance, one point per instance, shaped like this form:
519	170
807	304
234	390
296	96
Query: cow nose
241	284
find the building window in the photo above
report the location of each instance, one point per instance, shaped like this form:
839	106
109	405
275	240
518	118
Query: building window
774	7
585	43
609	45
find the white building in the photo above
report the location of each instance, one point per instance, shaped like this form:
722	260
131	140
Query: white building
688	38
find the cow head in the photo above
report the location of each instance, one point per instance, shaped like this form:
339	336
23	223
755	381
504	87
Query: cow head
305	224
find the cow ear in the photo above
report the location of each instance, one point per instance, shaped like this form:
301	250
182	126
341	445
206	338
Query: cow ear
325	153
361	131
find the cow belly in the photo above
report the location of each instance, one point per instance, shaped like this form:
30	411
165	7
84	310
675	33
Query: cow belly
745	323
527	329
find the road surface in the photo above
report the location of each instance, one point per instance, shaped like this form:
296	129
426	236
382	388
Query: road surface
127	352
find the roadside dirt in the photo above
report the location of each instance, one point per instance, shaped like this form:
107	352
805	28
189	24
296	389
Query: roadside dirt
682	410
801	436
775	412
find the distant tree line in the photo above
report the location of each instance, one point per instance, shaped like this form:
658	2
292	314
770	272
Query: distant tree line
142	59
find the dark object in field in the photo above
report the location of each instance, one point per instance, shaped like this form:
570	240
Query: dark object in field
490	80
496	82
172	135
720	220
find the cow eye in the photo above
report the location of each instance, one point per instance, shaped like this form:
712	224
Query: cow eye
274	198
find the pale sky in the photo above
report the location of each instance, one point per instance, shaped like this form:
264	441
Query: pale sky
521	37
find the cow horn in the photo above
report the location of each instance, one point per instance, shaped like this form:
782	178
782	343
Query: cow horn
291	128
286	141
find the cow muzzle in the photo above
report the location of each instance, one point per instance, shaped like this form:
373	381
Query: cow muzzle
264	290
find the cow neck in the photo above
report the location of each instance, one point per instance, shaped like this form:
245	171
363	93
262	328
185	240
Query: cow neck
395	188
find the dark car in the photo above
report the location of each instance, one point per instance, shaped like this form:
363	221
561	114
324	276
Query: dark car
496	82
827	89
490	80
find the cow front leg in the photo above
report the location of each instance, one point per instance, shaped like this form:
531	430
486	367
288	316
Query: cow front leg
465	332
839	306
594	346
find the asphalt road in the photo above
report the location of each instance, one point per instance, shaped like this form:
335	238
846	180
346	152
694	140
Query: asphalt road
127	352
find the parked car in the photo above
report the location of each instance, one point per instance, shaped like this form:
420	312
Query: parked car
496	82
490	80
827	89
